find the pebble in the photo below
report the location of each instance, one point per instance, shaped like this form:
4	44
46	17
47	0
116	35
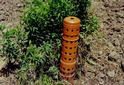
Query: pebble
111	73
116	29
116	42
19	5
101	25
115	10
122	46
121	15
101	81
110	45
121	3
101	75
113	56
113	0
5	30
100	52
2	18
122	65
106	5
3	62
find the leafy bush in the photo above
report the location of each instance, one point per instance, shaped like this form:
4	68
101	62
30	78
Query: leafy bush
44	19
33	61
13	43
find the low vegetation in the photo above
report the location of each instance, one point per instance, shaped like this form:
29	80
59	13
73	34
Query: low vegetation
35	45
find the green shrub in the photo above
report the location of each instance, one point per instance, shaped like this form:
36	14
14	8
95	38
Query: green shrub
13	43
44	19
33	61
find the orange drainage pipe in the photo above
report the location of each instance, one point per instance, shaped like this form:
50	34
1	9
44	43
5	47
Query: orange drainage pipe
69	47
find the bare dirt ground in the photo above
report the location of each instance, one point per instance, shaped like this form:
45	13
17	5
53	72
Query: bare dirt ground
106	53
10	11
107	46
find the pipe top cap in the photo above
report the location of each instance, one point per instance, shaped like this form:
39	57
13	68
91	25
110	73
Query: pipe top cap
72	20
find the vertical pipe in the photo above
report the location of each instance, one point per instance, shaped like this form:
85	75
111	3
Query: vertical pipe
69	47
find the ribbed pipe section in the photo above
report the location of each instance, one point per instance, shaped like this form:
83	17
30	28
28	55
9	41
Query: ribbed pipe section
69	47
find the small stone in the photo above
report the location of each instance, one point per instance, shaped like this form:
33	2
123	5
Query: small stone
113	0
113	56
121	3
99	58
102	25
122	46
5	30
121	15
116	42
106	5
101	81
2	18
115	10
102	68
19	5
111	73
100	52
101	75
110	45
3	62
92	82
122	65
116	29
